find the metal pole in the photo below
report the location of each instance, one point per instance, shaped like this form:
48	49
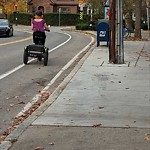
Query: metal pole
148	17
59	15
121	33
91	14
120	48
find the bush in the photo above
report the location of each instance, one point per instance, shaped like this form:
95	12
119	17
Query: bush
53	19
82	26
22	18
65	19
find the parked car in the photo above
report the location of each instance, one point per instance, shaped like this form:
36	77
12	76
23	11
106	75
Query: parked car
6	28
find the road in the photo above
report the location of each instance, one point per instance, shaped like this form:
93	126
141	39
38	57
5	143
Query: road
21	84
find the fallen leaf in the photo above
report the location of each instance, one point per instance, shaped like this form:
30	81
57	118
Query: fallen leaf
39	148
13	140
2	137
97	125
11	105
16	96
21	102
51	143
100	107
147	138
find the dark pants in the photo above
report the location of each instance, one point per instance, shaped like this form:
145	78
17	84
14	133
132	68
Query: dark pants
39	37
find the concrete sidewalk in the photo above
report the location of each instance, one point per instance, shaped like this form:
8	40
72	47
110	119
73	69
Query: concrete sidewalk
102	107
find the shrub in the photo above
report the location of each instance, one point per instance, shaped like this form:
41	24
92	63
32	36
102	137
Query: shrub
53	19
22	18
82	26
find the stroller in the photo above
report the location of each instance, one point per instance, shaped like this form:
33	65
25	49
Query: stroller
36	50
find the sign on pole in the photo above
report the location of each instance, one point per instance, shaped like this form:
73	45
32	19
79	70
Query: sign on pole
106	12
81	5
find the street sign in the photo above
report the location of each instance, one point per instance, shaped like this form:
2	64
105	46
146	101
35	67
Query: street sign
81	15
106	12
1	10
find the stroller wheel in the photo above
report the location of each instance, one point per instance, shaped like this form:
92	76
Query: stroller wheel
45	56
25	57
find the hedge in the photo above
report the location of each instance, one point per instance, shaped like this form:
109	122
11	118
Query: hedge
51	19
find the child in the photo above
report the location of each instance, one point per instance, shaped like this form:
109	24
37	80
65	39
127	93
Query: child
39	24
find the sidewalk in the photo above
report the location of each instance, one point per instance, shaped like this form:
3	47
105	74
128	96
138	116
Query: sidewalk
102	107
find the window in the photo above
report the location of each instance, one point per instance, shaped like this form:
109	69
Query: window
65	9
47	9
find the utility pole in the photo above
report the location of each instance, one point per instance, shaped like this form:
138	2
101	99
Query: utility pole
148	17
112	32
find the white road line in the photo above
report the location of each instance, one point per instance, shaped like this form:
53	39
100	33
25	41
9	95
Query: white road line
62	43
38	96
11	71
21	66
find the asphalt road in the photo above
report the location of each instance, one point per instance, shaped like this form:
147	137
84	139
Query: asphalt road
19	83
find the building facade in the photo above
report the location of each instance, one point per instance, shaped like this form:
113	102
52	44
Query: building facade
53	6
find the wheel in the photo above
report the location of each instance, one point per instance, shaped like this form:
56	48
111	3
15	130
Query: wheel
125	32
25	57
10	33
45	56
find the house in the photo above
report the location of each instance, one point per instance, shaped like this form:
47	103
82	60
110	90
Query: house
53	6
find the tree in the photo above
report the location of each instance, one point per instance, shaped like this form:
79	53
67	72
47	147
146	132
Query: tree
128	10
138	10
96	5
14	5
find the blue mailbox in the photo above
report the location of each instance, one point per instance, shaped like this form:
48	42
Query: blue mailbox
103	31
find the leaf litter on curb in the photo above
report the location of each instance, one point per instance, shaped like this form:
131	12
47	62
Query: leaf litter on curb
97	125
44	96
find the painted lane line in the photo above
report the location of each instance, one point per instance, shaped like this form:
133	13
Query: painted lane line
21	66
13	42
38	96
61	43
11	71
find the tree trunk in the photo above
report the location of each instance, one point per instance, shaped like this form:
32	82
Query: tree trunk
138	9
129	22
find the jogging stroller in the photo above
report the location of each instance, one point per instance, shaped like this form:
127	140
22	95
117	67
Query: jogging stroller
36	50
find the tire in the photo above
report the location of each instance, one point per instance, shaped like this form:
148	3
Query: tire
45	56
10	33
125	32
25	57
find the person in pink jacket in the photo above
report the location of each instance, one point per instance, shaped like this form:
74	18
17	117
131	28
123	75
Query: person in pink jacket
39	24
